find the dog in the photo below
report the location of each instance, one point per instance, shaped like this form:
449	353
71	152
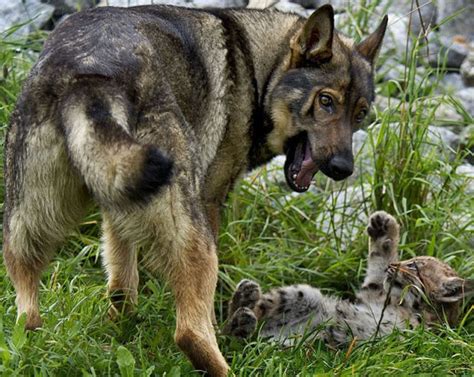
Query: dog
153	113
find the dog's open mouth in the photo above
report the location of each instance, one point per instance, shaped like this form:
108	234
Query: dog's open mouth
299	165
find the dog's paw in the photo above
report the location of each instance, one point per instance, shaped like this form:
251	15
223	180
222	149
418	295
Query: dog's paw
246	294
381	224
242	323
122	304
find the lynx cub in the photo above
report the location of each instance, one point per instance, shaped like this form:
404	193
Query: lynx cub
394	295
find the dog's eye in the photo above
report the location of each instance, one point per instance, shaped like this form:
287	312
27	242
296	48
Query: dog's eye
361	115
325	100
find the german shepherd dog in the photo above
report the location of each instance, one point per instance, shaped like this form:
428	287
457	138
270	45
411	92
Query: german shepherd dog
154	112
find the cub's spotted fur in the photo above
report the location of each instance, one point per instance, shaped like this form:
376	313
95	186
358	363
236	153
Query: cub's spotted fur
394	295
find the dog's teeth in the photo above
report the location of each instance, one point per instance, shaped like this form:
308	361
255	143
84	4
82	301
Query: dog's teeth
294	176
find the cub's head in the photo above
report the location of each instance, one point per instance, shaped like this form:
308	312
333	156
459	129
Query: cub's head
427	276
321	98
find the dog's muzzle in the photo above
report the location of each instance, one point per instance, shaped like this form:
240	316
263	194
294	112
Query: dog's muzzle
339	166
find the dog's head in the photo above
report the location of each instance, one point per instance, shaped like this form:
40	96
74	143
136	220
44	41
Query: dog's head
321	98
419	278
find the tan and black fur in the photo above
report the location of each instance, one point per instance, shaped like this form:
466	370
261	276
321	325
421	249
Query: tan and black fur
153	113
394	295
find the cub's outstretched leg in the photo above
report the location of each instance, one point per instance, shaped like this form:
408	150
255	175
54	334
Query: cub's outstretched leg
384	233
242	321
285	311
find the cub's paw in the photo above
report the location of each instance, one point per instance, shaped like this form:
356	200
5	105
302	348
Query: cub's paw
246	294
242	323
381	224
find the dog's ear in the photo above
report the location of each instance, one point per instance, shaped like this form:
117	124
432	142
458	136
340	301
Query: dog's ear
370	47
313	43
454	289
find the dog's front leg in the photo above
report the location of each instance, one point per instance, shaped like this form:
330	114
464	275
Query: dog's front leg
193	279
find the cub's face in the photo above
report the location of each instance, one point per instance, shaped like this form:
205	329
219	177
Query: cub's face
421	278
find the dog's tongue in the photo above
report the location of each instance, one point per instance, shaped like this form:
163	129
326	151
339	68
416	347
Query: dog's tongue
308	169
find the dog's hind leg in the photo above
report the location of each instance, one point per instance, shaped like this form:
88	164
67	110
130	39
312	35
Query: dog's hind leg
120	261
44	200
193	279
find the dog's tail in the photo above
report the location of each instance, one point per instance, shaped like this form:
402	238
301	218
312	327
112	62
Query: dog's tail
116	168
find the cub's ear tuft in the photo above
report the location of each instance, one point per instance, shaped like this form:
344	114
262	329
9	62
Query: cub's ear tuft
313	43
454	289
369	48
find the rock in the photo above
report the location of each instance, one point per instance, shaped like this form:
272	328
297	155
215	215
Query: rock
359	138
132	3
393	70
466	171
467	141
395	39
466	96
449	51
179	3
386	103
344	204
462	24
220	3
362	155
424	19
467	69
63	7
20	12
467	135
447	114
450	83
289	7
441	136
308	4
426	14
261	4
273	171
285	6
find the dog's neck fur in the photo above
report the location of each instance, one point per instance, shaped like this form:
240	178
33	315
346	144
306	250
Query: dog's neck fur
268	39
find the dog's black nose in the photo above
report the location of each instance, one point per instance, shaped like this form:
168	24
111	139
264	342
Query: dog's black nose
340	166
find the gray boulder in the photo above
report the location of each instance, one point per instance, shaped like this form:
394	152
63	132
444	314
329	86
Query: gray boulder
451	83
443	137
308	4
63	7
466	96
466	171
220	3
467	69
462	24
290	7
32	13
132	3
450	51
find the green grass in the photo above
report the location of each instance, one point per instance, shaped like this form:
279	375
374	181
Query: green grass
275	238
